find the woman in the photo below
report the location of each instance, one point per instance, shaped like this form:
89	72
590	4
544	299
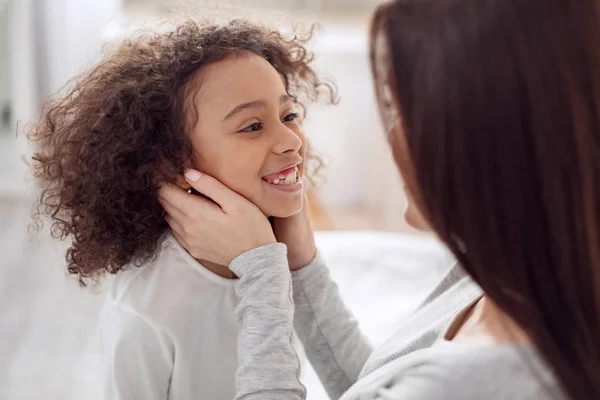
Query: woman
494	123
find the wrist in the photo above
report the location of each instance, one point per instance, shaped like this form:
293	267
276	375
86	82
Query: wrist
299	261
270	257
265	241
256	243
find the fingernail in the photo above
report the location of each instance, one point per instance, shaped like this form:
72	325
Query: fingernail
192	175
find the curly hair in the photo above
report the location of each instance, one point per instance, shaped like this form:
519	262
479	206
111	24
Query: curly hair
120	131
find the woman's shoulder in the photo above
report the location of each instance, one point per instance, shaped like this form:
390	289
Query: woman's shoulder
457	371
494	372
456	277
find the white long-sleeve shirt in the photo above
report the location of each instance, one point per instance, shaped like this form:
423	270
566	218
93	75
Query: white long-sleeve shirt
168	331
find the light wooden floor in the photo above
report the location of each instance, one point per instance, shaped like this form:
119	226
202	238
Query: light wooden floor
37	306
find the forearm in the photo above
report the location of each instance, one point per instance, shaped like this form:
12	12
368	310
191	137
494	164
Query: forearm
332	339
268	367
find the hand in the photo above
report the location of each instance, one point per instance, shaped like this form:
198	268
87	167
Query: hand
216	231
296	232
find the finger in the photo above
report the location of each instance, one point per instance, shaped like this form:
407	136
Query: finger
174	224
183	204
212	188
172	195
181	239
171	210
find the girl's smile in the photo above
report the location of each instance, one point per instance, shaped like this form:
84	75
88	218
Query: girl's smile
287	180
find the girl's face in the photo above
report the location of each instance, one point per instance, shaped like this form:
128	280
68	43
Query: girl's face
247	135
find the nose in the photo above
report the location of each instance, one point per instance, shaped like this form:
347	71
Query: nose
288	141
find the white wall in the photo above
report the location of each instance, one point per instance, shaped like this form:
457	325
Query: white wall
21	90
362	174
345	133
50	41
22	59
72	34
4	89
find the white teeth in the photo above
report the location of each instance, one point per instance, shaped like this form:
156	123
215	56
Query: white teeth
290	179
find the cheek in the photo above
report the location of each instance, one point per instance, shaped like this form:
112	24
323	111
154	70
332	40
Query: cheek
237	174
237	168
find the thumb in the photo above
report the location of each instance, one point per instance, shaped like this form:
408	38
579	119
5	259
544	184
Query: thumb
212	188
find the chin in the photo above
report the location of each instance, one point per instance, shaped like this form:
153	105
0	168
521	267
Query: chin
410	220
415	220
283	210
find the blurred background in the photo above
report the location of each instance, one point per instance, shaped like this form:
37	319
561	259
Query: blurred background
48	348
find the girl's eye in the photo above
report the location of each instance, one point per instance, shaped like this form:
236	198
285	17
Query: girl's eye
252	128
291	117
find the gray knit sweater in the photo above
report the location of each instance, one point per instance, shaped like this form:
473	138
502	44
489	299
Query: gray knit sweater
414	364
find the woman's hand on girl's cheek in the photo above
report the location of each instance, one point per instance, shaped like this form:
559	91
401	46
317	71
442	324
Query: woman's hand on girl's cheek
217	231
296	232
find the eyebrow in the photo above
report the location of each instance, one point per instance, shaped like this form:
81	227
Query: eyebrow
254	104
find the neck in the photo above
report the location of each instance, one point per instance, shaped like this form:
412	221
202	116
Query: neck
220	270
486	322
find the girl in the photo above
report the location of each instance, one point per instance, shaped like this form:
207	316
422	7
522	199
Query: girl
222	99
493	111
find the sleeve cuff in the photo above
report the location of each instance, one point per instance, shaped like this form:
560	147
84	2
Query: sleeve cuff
266	257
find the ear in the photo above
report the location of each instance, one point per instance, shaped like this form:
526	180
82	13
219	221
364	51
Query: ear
182	183
180	179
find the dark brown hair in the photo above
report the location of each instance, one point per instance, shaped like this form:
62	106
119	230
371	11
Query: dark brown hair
499	104
120	131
